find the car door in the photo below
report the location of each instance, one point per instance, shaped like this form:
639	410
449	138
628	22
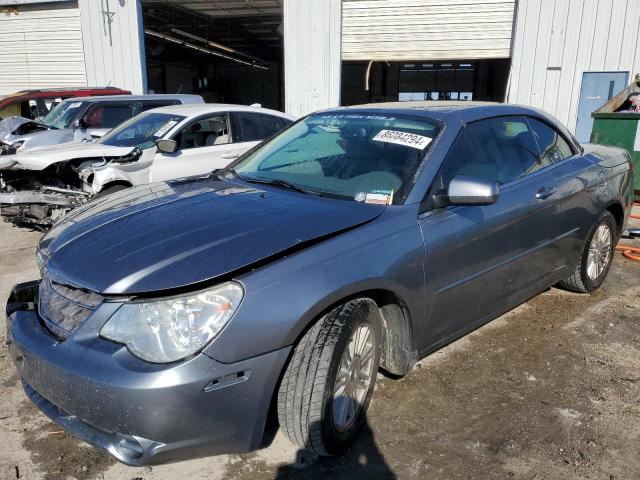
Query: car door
202	146
483	260
570	185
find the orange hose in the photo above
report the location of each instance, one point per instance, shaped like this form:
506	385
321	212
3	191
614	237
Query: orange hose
637	217
629	251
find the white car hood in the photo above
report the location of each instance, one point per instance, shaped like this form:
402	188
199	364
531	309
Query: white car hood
9	124
40	158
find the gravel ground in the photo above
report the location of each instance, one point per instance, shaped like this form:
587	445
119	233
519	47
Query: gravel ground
549	391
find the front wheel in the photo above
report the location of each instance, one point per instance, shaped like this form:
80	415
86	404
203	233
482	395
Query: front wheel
596	258
109	191
327	386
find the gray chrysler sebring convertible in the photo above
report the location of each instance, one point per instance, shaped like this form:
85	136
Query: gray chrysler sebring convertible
174	320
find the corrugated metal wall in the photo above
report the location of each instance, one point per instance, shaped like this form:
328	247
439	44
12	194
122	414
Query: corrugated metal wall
556	41
426	29
41	47
311	55
113	43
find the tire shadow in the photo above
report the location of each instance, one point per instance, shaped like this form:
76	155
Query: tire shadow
361	460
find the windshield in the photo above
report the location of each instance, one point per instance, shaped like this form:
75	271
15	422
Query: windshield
141	131
62	115
370	158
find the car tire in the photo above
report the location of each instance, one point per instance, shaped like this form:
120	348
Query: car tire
316	409
109	191
588	276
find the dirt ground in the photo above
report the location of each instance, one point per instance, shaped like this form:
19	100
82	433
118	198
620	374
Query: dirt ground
548	391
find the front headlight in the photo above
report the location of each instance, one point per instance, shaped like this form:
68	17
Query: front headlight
170	330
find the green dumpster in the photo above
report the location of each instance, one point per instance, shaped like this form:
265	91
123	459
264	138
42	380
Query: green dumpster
620	129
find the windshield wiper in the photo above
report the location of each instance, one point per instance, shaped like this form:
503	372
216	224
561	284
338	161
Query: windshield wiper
278	183
221	172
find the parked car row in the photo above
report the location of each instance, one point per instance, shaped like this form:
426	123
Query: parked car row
173	318
80	119
169	137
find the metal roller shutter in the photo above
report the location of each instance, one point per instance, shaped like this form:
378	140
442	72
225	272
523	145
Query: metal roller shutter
41	47
426	29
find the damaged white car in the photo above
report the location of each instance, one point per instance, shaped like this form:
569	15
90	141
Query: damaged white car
39	186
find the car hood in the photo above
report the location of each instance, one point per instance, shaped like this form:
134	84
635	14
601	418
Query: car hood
170	235
41	157
9	124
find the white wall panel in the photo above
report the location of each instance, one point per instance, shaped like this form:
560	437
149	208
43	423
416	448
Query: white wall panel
426	29
114	43
41	47
556	41
312	62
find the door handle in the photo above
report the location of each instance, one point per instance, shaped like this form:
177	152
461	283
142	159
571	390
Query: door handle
229	156
545	192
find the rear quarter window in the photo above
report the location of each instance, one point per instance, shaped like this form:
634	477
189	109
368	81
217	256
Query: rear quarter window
258	126
553	147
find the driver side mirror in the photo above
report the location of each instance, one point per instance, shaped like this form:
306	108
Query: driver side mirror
80	123
167	146
465	190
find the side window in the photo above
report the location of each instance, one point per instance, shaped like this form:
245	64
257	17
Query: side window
144	106
25	109
205	132
284	122
553	147
107	116
258	126
46	104
497	150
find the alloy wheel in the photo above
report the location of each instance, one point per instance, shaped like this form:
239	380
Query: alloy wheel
354	377
599	251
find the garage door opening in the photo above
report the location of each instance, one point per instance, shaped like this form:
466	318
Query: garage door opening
227	51
366	82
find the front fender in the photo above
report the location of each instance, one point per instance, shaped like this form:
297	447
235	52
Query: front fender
134	173
284	297
103	176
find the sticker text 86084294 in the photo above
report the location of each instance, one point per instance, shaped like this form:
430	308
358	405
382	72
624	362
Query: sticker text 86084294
403	138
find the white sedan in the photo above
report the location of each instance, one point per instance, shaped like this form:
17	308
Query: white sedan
182	140
38	186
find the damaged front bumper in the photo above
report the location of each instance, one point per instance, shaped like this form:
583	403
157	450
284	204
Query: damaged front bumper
41	207
141	413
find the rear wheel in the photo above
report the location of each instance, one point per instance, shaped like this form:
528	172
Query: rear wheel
327	386
596	257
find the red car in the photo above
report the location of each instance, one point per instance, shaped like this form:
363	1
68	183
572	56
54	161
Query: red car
37	103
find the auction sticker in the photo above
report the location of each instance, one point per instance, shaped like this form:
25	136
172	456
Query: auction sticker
165	128
379	197
403	138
